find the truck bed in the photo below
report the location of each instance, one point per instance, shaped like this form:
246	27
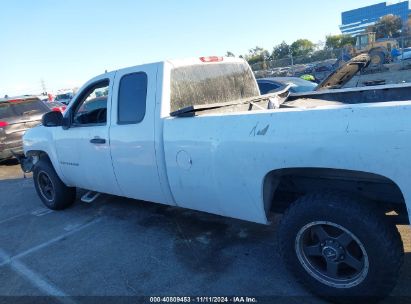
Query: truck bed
383	93
316	99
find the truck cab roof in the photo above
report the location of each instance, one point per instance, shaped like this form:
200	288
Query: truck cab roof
175	63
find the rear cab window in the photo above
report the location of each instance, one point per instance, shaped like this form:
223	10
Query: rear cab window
204	84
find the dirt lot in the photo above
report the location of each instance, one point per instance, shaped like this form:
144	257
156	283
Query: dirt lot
120	247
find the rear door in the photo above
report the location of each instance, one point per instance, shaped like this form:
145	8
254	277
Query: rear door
132	133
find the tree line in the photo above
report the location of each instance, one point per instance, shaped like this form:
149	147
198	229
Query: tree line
304	50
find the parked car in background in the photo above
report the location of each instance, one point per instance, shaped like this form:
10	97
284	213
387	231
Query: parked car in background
275	84
405	54
16	116
56	106
64	98
309	68
43	98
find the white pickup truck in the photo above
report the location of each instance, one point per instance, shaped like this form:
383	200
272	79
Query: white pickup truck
197	134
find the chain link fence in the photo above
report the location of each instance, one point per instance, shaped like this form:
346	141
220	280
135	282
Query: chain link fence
318	62
321	63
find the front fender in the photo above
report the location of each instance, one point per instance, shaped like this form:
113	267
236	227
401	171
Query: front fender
40	140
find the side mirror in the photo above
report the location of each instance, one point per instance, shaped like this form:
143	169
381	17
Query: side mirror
52	119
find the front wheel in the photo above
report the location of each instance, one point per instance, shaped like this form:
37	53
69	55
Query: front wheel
341	248
51	190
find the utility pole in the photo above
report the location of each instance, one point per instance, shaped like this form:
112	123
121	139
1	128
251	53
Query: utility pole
43	86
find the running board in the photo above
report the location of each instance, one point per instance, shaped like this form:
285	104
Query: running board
90	197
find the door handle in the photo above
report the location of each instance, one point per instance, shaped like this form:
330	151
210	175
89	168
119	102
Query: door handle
98	141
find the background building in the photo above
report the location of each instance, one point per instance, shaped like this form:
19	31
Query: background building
356	21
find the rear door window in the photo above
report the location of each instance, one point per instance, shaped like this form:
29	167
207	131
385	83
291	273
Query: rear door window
132	98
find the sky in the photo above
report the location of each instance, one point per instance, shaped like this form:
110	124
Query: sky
66	42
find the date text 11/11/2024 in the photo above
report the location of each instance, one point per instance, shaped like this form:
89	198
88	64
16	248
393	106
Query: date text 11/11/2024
203	300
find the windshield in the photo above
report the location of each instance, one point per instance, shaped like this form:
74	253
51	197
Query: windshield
20	108
210	84
63	96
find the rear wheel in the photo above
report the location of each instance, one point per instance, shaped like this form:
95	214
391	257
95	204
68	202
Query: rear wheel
341	248
51	190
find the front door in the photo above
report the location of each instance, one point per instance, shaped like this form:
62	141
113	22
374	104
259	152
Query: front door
84	149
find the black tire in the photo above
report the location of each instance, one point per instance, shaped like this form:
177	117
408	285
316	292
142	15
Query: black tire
55	195
377	57
375	243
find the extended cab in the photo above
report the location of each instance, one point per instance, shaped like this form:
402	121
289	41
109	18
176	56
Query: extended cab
197	134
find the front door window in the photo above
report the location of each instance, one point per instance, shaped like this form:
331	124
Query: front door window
92	108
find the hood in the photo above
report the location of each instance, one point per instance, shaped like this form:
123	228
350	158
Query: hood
338	78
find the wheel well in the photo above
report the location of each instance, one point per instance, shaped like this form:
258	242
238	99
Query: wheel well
39	154
284	186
